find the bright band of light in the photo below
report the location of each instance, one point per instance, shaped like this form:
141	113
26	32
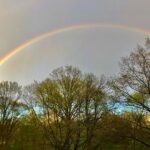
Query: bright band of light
21	47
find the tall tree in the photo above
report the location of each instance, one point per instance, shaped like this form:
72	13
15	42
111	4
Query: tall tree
132	85
70	105
10	93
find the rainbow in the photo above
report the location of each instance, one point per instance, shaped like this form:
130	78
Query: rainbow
35	39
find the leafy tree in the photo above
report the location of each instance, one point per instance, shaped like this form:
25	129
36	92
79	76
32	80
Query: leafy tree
70	106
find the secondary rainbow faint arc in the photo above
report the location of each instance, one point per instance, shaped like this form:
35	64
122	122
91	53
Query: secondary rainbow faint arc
35	39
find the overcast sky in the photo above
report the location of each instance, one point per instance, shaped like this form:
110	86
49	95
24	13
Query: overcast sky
96	50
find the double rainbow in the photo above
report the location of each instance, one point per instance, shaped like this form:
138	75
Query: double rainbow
35	39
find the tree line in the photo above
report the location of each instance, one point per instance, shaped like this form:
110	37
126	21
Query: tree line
72	110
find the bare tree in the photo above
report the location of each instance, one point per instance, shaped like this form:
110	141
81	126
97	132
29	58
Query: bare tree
132	85
10	93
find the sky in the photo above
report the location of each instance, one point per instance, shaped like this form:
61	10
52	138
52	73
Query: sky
91	48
